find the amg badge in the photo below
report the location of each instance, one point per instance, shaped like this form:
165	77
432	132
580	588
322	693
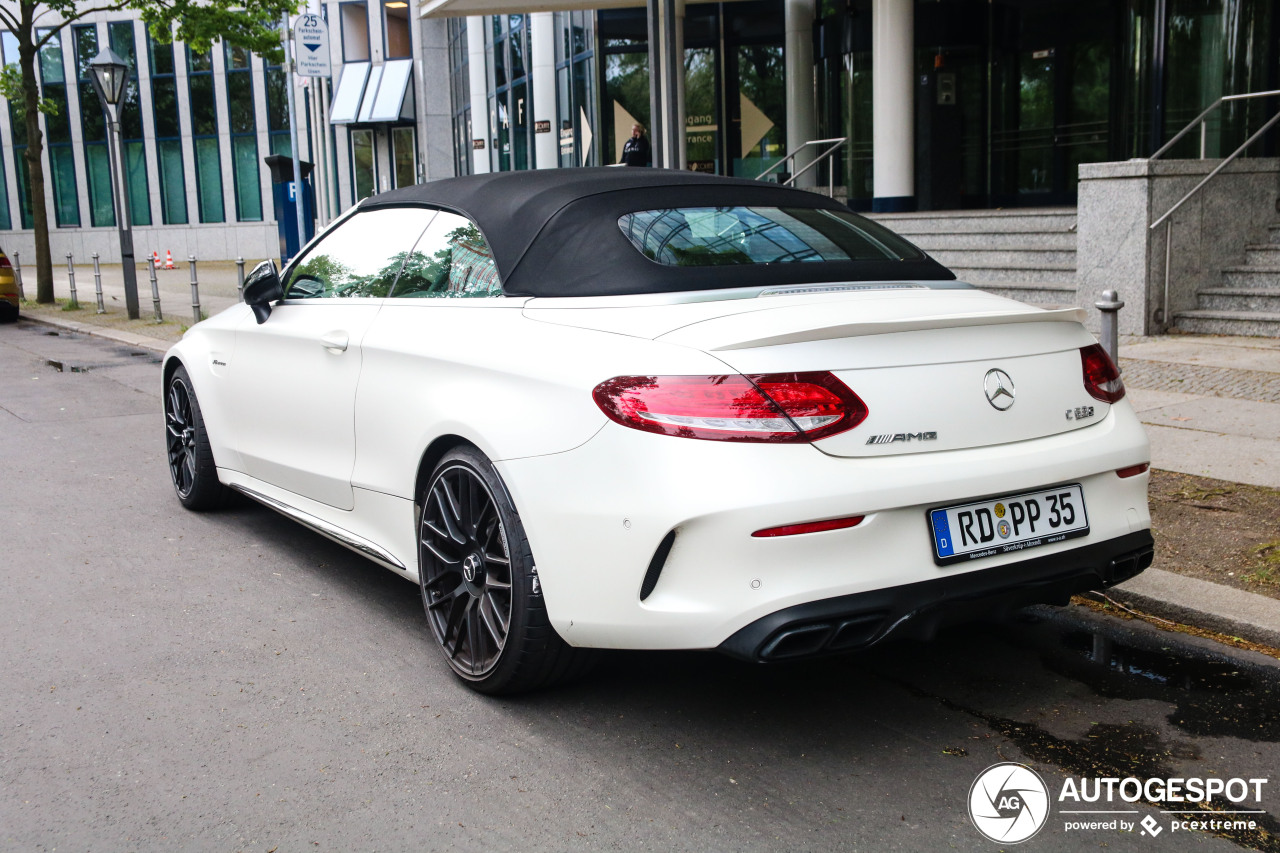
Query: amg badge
891	437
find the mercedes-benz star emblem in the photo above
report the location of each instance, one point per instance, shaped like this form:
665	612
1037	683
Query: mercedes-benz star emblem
469	568
999	388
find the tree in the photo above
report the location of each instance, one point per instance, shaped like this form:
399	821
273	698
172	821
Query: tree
35	24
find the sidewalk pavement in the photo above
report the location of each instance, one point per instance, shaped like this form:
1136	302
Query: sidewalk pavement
1211	406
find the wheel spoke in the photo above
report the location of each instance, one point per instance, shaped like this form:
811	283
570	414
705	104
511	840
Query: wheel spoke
175	402
435	552
490	583
457	621
443	534
473	634
447	512
500	633
437	581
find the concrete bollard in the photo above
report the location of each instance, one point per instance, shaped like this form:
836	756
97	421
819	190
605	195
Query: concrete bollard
240	278
155	288
17	274
71	277
97	284
1110	306
195	291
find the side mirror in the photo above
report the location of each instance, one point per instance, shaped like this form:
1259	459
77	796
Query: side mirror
261	288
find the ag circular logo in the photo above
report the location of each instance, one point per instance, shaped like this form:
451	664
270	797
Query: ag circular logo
1008	803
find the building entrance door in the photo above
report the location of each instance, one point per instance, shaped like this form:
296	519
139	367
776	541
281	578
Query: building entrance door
1051	103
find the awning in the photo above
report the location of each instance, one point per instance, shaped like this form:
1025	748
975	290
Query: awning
346	100
390	102
373	93
370	94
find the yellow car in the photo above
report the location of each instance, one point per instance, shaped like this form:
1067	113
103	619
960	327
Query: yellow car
8	291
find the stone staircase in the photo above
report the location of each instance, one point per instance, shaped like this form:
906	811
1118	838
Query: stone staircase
1248	300
1025	254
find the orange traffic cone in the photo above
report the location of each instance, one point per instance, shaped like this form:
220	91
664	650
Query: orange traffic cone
168	260
155	259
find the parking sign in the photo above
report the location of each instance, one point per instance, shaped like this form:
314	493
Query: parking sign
311	47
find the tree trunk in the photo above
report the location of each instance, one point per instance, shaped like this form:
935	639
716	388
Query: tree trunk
34	156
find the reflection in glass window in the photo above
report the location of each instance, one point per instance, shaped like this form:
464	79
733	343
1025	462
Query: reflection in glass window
244	134
452	260
57	124
715	236
204	133
120	37
363	166
361	257
168	132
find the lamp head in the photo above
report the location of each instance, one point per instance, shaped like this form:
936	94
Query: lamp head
109	73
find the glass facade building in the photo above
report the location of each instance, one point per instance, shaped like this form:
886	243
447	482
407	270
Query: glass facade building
1010	97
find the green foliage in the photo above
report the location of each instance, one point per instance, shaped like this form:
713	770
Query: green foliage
12	90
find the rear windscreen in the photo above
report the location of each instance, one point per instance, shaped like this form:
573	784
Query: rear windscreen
718	236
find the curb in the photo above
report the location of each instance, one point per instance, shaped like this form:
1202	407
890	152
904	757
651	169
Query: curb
121	337
1203	604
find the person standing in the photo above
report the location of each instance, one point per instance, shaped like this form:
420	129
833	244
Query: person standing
636	150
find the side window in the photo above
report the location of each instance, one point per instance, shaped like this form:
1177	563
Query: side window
361	257
451	260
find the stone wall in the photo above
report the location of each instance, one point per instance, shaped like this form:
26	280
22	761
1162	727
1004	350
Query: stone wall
1117	250
253	241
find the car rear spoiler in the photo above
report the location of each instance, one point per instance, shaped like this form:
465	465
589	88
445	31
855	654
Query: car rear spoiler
722	336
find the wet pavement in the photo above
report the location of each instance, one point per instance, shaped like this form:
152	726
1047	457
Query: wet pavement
231	681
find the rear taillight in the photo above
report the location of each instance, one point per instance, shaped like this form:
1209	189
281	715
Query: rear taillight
1101	377
4	262
775	407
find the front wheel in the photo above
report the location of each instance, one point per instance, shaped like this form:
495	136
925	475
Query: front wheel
480	586
191	466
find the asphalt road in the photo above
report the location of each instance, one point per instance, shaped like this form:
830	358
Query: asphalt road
230	681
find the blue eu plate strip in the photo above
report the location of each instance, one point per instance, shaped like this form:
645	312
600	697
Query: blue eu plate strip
942	533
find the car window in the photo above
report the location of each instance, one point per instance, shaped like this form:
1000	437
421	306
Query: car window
715	236
451	260
361	257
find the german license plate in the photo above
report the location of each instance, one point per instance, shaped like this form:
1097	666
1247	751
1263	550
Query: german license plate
1003	525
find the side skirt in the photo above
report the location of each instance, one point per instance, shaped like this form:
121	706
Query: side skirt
328	530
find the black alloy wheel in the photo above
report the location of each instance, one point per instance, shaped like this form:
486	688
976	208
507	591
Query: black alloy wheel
467	585
191	465
479	585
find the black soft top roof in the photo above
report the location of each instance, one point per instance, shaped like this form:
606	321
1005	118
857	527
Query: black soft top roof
554	232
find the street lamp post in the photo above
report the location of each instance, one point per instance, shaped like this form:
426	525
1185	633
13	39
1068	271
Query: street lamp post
110	73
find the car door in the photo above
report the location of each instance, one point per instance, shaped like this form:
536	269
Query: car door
295	376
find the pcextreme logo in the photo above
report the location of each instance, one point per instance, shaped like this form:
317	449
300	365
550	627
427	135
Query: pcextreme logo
1009	803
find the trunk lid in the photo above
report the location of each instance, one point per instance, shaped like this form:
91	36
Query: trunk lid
923	361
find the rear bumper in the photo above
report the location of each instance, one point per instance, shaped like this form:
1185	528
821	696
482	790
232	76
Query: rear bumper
918	610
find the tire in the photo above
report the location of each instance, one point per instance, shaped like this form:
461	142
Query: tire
480	587
191	466
8	313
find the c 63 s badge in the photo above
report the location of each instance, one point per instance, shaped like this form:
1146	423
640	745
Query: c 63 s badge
891	437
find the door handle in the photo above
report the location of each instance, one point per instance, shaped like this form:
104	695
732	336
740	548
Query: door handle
335	341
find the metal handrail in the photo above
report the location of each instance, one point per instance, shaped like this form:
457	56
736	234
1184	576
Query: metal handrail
835	142
1166	218
1200	119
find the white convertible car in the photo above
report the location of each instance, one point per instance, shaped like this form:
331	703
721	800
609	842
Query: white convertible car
642	409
